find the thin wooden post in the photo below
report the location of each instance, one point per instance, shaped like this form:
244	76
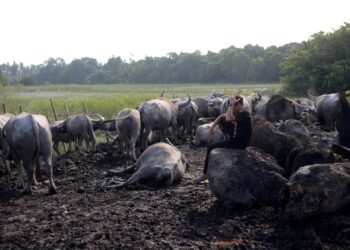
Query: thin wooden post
20	109
85	110
55	114
4	107
67	110
54	110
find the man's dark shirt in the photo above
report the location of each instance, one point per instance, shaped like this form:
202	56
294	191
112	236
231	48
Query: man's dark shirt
243	128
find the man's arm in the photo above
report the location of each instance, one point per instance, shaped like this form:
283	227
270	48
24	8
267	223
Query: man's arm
229	114
215	123
217	120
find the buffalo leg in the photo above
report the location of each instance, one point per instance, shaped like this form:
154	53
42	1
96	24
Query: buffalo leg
37	171
145	137
28	166
48	166
8	169
20	182
132	149
55	147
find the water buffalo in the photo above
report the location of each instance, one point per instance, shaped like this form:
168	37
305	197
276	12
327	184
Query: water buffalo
158	114
274	142
260	106
297	129
253	100
107	126
201	137
202	105
307	155
3	120
317	189
160	164
214	107
343	122
28	137
79	127
59	134
328	108
128	126
187	118
304	105
279	108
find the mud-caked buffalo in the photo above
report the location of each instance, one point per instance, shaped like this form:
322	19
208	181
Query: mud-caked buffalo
128	126
158	114
160	164
28	137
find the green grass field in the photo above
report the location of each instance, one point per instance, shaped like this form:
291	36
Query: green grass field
109	99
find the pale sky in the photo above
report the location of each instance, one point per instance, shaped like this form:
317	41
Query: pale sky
34	30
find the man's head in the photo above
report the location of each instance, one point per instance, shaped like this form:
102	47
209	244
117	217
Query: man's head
237	102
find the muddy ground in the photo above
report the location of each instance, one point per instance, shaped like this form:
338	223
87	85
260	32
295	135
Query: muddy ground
186	216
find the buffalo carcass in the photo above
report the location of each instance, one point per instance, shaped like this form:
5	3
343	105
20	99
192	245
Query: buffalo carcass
201	137
79	127
317	189
279	108
128	126
274	142
307	155
187	118
296	128
304	105
3	120
160	164
158	114
29	137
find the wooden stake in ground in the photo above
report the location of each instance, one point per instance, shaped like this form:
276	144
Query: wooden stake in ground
4	108
54	110
85	110
67	110
55	114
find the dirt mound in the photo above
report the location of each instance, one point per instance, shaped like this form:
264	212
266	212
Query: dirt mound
184	216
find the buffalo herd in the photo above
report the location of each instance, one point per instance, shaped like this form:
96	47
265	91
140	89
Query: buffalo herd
284	157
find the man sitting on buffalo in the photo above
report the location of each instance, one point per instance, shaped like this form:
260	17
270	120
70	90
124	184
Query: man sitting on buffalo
236	124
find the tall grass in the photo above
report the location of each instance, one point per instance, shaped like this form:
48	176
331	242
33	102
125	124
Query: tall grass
109	99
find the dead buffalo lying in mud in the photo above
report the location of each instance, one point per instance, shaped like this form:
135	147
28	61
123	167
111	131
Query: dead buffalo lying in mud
160	164
307	155
274	142
317	189
247	177
296	128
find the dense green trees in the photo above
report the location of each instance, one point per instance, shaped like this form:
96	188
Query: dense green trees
3	79
321	63
252	63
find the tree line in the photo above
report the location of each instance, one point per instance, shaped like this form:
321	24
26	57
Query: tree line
321	63
230	65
